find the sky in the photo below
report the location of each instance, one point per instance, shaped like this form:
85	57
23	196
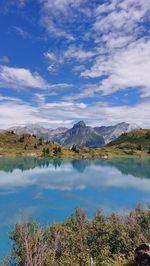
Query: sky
64	61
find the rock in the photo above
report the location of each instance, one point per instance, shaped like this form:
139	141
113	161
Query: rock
142	255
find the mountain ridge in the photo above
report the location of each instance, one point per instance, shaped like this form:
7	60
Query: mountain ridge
80	134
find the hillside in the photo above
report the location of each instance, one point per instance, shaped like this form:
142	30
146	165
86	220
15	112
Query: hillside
136	140
23	144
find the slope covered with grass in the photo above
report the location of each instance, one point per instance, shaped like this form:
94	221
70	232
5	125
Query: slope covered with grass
137	139
22	144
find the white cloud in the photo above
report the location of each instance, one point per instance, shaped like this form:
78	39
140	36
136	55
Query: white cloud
119	55
54	13
77	54
54	60
95	113
63	113
126	68
11	99
53	29
58	7
117	47
19	78
14	113
124	16
123	45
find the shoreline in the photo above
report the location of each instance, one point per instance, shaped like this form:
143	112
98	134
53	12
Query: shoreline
75	156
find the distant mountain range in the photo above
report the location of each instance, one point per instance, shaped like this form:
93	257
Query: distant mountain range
39	131
80	134
111	133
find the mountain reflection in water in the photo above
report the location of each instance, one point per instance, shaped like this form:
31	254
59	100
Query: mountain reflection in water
129	166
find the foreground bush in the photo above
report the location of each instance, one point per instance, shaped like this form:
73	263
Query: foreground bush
107	240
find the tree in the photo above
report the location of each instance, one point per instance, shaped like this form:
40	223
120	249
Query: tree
29	244
57	151
47	151
74	148
43	152
35	146
139	147
40	141
147	136
25	147
22	138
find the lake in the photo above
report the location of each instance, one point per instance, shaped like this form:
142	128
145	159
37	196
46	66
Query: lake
49	190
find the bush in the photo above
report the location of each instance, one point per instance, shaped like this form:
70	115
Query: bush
107	240
57	151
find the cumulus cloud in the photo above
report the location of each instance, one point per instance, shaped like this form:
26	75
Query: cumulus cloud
18	113
11	77
21	78
122	40
120	44
66	113
126	68
78	53
121	16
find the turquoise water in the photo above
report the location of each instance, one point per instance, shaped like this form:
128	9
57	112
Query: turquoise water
50	190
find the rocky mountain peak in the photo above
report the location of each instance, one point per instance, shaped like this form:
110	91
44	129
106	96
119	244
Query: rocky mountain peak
80	124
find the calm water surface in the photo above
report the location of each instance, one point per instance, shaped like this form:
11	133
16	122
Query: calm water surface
50	190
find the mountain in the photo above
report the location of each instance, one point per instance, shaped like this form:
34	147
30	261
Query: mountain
111	133
39	131
82	136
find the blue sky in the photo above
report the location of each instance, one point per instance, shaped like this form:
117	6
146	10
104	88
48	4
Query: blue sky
63	61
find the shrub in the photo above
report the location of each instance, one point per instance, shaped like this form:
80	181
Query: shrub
107	240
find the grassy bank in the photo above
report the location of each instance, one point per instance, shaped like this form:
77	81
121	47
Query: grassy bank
107	240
